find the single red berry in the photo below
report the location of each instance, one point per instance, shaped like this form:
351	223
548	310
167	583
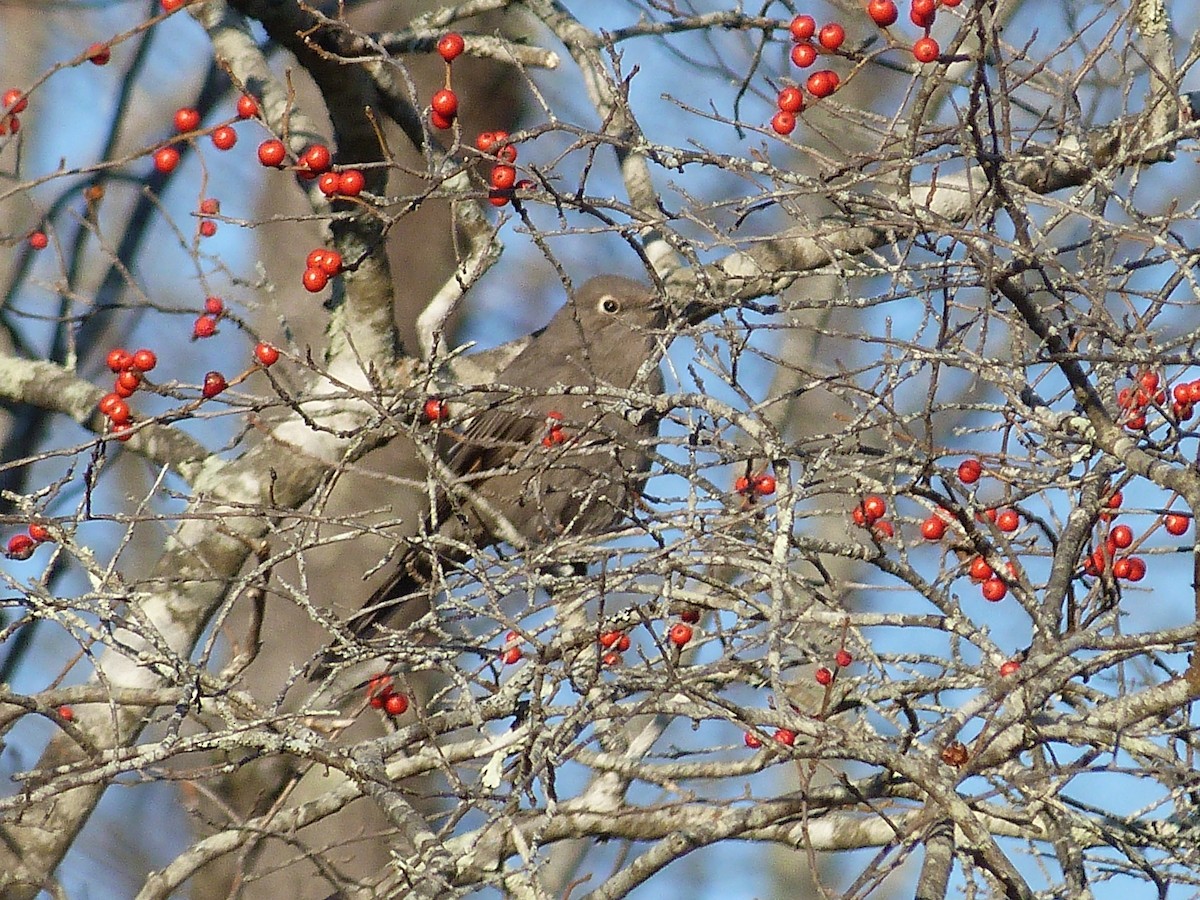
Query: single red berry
1176	524
764	485
20	546
436	410
99	54
1009	667
14	101
214	306
266	354
272	153
314	280
1008	520
207	228
680	634
802	28
804	55
330	183
751	741
1181	393
186	119
144	360
122	431
1137	568
224	137
210	206
395	704
874	508
1149	381
499	198
994	590
172	5
66	712
380	684
860	518
108	402
503	177
331	263
127	383
119	359
118	412
1122	568
511	655
314	258
783	122
351	183
824	676
980	570
1136	422
166	159
317	159
507	153
926	50
440	122
969	471
623	642
785	736
1194	391
1115	501
843	658
214	383
1121	536
608	639
883	12
832	36
247	107
791	99
39	533
38	240
451	45
742	484
205	326
1125	398
611	658
485	141
883	529
933	528
445	102
690	614
823	83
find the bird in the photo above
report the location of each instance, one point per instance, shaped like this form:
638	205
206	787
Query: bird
544	457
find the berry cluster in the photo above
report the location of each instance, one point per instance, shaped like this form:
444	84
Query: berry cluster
347	183
21	546
825	677
614	643
381	694
443	108
1147	393
129	369
502	180
12	102
754	486
321	265
870	514
554	431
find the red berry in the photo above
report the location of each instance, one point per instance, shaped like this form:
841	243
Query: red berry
783	122
166	159
1176	524
1115	501
272	153
266	354
785	736
317	159
314	280
804	55
1181	393
926	50
172	5
118	360
832	36
485	141
38	240
751	741
791	99
224	137
450	46
623	642
608	639
207	228
107	403
331	263
214	383
39	532
1121	536
680	634
1136	422
1008	520
611	658
741	484
144	360
20	546
883	12
1122	568
99	54
802	28
66	712
1009	667
980	570
439	121
14	101
691	615
764	485
186	119
499	198
969	471
247	107
330	183
118	411
1149	381
214	306
874	508
127	383
922	13
351	183
210	206
445	102
823	83
436	410
843	658
823	676
933	528
503	177
395	704
1137	568
506	153
883	529
314	258
511	655
1194	391
994	590
951	2
205	326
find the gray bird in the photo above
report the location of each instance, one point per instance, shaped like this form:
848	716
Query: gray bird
538	462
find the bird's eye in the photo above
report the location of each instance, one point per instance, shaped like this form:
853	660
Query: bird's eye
610	305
